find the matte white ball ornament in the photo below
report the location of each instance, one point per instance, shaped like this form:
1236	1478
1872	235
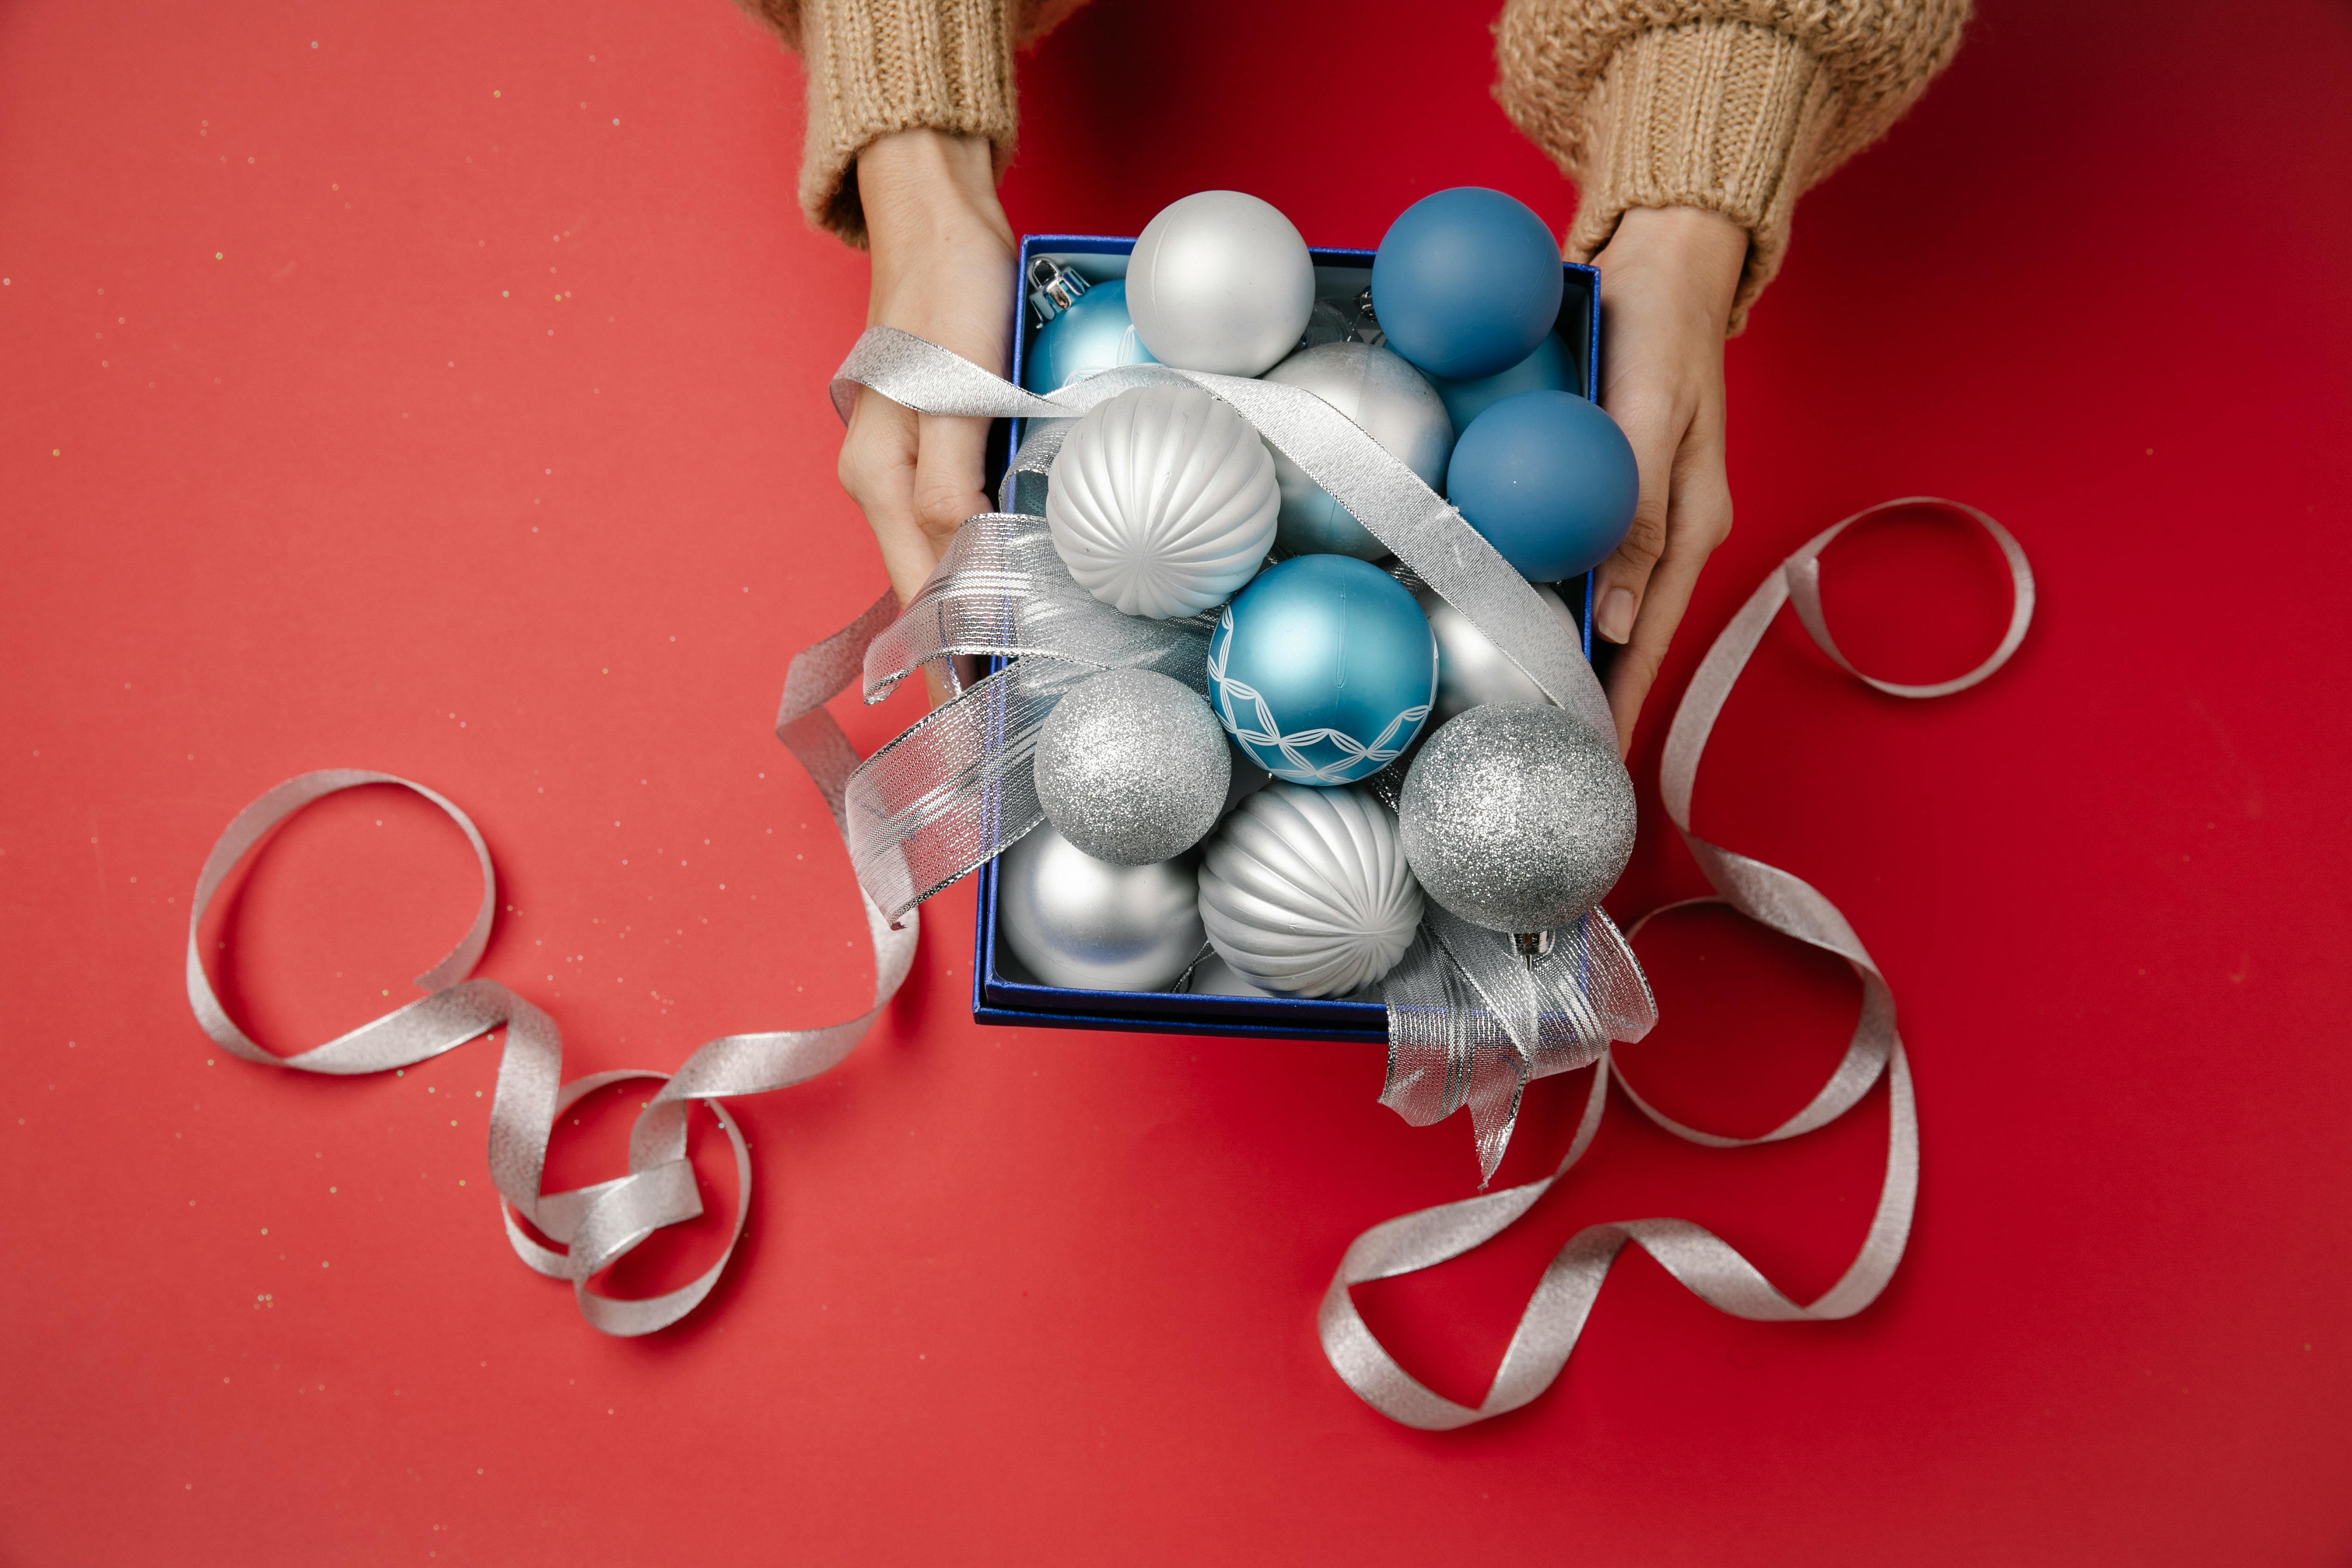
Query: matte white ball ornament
1392	404
1085	924
1162	502
1471	670
1306	892
1220	281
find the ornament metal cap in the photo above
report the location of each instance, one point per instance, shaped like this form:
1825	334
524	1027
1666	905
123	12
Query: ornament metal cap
1053	287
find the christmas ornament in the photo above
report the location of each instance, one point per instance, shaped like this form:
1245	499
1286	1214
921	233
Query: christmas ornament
1306	892
1087	925
1550	479
1131	767
1323	669
1220	281
1466	282
1389	399
1470	669
1212	976
1085	329
1548	369
1162	502
1517	818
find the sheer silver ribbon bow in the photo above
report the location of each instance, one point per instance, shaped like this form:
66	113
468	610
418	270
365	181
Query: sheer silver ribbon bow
1708	1266
1471	1018
596	1224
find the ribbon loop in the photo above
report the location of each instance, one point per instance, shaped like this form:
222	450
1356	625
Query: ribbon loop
1803	573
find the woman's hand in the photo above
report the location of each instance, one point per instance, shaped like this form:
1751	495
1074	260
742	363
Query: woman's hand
943	270
1667	278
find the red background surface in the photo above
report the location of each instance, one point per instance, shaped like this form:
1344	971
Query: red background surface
439	388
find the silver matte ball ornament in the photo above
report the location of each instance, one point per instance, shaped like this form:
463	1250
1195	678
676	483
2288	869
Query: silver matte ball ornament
1088	925
1390	402
1220	281
1517	819
1306	892
1131	767
1472	671
1162	502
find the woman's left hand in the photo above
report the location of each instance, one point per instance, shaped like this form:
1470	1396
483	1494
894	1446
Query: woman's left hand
1667	278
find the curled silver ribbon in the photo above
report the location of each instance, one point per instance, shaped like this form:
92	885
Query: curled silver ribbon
596	1224
1705	1264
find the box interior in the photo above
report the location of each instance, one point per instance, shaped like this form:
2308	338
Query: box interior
1001	992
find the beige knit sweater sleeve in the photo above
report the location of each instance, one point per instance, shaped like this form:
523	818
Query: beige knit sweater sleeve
880	66
1733	105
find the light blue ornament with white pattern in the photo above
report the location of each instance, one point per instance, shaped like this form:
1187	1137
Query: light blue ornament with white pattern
1323	669
1093	334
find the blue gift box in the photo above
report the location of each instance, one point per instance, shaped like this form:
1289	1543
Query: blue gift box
1000	991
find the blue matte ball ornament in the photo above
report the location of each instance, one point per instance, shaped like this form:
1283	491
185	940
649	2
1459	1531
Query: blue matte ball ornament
1466	282
1548	369
1323	669
1549	480
1094	334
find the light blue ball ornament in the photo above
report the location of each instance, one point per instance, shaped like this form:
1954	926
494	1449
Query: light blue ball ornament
1549	480
1548	369
1092	335
1323	669
1466	282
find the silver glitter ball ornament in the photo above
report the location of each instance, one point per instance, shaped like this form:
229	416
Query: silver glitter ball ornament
1470	669
1392	403
1088	925
1132	767
1306	892
1517	819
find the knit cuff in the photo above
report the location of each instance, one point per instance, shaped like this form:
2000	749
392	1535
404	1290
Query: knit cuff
1720	115
880	66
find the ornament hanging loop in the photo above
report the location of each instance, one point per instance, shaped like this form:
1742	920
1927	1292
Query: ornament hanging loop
1053	287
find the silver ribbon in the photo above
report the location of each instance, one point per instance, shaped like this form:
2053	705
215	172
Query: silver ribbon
1703	1262
956	787
599	1224
1471	1021
969	800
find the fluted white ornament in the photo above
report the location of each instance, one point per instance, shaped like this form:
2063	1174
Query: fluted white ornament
1162	502
1306	892
1393	404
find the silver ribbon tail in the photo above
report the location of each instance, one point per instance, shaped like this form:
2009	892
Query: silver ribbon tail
597	1224
1438	1071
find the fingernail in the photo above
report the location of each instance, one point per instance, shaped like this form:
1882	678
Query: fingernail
1614	619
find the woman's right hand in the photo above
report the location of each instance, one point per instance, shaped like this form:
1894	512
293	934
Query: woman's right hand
943	265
